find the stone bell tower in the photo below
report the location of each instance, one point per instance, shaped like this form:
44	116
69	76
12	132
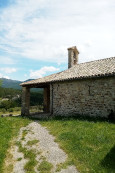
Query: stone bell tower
72	56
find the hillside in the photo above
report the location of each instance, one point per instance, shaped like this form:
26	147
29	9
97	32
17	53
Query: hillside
15	84
8	83
10	90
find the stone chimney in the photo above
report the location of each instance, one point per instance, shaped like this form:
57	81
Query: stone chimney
72	56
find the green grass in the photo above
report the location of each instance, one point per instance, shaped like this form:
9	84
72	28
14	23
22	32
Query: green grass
28	154
8	112
17	110
19	159
45	167
9	128
33	142
90	145
38	108
24	133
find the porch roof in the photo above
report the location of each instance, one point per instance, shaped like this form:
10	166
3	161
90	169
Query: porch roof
97	68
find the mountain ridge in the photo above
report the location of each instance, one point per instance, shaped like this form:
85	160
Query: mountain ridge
9	83
15	84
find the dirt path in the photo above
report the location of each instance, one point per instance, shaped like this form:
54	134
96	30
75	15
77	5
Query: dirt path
36	138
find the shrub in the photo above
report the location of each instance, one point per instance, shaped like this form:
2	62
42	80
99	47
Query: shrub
17	109
3	110
10	110
7	104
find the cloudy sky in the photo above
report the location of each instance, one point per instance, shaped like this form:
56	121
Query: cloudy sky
35	34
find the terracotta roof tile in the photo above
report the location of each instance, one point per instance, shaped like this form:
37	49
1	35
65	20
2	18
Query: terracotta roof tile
103	67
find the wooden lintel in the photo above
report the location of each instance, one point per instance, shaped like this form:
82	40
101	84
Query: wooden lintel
36	86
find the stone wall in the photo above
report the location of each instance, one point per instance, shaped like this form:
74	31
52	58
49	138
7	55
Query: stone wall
94	97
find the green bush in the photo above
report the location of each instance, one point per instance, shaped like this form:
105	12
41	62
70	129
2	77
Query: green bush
17	109
3	110
10	110
7	104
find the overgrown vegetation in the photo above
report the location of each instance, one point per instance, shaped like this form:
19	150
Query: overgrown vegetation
17	110
9	92
24	133
45	167
33	142
28	154
11	98
36	98
9	128
8	104
90	144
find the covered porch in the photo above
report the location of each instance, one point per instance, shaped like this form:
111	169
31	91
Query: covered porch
25	109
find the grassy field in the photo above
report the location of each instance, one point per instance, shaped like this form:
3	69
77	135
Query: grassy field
13	111
89	144
9	127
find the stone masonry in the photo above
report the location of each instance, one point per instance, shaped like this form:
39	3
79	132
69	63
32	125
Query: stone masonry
92	97
25	101
84	89
72	56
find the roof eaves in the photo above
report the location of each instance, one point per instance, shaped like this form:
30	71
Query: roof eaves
70	79
85	77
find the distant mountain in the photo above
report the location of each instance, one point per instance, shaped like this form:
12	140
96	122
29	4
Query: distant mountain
28	80
15	84
9	83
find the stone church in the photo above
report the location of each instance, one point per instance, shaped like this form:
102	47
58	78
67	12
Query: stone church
83	89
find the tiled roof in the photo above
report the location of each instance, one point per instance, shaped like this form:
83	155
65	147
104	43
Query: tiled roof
98	68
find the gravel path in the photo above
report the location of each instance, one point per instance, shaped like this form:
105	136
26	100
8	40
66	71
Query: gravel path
46	147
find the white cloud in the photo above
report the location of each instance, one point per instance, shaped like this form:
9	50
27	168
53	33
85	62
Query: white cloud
3	76
44	29
43	71
8	70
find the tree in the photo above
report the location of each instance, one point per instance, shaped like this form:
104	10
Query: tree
6	104
0	83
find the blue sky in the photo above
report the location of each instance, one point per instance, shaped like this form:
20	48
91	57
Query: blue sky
35	34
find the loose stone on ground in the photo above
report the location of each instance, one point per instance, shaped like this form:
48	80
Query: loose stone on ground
45	149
